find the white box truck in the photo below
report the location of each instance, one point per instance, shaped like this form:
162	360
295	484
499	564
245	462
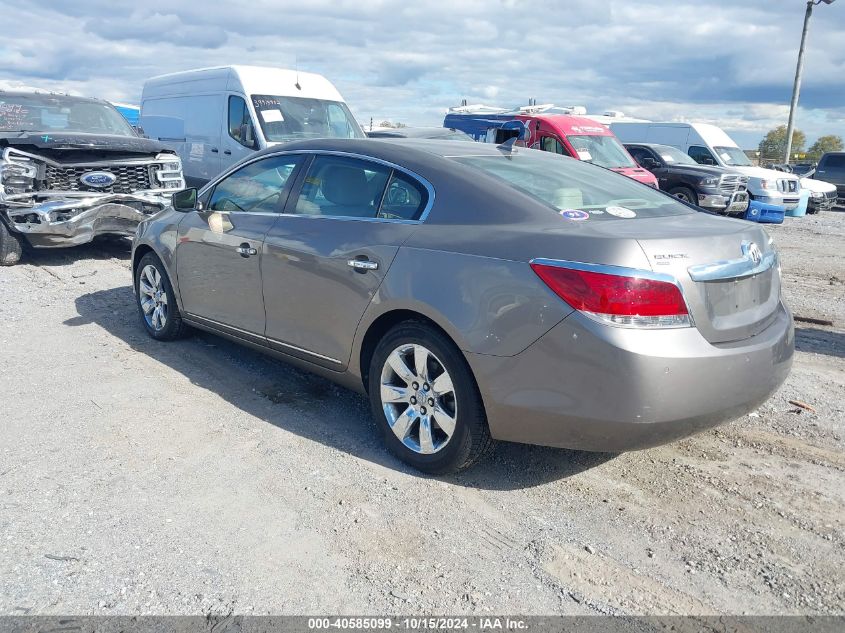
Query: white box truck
710	145
214	117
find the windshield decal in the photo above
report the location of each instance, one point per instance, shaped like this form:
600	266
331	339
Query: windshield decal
584	155
272	115
575	214
621	212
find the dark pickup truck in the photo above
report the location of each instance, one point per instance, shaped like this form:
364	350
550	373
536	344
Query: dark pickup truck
709	187
72	168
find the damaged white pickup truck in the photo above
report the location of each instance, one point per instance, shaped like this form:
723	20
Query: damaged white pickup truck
73	168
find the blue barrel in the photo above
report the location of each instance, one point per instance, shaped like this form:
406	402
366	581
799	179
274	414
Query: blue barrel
764	213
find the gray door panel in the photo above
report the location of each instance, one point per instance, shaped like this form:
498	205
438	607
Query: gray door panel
313	298
219	250
215	280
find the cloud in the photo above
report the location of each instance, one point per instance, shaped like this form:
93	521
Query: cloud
722	61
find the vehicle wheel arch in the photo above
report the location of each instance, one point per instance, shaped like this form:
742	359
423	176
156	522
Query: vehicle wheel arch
138	254
382	324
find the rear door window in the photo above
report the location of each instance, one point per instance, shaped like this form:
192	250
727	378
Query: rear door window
342	187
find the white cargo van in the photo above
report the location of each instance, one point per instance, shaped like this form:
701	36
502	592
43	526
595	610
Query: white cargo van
709	145
213	117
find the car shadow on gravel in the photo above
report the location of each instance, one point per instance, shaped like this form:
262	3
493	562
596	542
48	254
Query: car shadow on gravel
309	405
817	341
106	247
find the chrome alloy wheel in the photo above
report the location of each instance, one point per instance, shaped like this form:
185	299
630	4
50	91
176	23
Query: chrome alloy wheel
418	398
153	297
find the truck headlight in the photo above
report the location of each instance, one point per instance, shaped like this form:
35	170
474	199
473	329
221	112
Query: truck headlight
17	174
169	173
710	182
770	185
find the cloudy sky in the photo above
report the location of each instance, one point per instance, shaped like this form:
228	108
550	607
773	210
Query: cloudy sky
729	62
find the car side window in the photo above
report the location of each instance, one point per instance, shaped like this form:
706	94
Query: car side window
551	144
255	188
342	187
240	122
404	198
701	155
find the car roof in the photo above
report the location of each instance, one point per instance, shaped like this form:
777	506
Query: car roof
408	152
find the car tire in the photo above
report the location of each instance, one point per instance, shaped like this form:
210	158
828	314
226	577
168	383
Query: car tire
156	300
440	426
686	194
11	246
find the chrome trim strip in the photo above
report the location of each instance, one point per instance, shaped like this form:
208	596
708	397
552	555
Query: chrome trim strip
607	269
732	268
224	326
305	351
425	183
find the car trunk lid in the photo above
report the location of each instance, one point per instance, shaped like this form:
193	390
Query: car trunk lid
727	268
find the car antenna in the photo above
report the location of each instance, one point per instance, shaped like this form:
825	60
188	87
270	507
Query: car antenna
296	66
508	146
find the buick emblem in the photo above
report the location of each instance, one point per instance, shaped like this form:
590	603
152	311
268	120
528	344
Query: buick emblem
98	179
750	249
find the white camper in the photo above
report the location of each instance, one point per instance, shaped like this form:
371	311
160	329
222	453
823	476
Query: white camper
213	117
710	145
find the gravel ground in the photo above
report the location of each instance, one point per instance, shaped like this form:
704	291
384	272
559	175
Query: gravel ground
200	477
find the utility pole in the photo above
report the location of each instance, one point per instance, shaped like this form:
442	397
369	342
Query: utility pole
796	87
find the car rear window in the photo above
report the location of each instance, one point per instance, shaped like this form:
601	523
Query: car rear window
574	189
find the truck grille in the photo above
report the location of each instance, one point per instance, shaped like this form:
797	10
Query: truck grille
130	178
731	183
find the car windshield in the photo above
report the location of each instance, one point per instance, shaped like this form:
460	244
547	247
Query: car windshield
733	156
672	155
56	113
574	189
289	118
604	151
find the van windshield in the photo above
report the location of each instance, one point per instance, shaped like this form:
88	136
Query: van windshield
575	190
733	156
290	118
604	151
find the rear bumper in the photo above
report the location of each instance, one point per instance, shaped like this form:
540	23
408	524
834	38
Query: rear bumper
593	387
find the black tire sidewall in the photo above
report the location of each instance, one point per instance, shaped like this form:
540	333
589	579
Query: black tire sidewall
11	245
458	450
171	329
689	194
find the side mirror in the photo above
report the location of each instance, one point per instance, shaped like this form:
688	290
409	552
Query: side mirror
185	200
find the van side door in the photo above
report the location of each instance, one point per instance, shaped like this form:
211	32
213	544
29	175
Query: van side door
239	136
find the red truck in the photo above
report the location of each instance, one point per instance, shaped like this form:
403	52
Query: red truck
543	128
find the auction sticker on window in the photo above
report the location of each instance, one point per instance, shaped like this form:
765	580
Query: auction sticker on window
575	214
621	212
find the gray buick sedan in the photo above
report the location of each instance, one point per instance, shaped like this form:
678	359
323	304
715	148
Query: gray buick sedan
476	292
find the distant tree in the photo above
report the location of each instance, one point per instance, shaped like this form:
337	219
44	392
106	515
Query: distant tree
774	145
391	124
827	143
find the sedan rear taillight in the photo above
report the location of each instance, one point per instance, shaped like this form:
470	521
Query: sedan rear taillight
624	297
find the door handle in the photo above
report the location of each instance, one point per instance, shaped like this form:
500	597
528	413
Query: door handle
228	152
245	250
214	150
362	265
